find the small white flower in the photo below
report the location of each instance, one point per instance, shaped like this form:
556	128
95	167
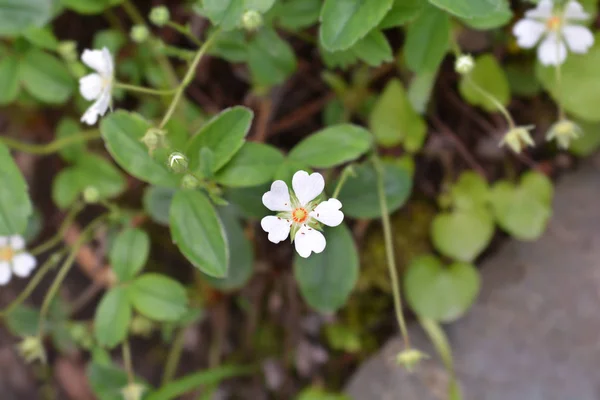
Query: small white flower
98	85
558	26
13	259
299	213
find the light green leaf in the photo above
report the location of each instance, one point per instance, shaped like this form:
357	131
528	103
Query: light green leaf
198	233
158	297
470	191
271	59
89	6
17	16
122	133
427	40
157	203
344	22
224	135
45	77
462	235
332	146
580	82
113	314
493	20
9	79
298	14
15	206
468	8
42	38
327	279
587	143
129	253
261	6
315	393
68	127
225	13
442	293
373	49
359	195
523	211
393	120
402	11
105	379
253	165
488	74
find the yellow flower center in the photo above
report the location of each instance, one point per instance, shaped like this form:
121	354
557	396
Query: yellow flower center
554	23
6	254
299	215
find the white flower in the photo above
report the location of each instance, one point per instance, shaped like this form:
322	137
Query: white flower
13	259
556	26
299	213
98	85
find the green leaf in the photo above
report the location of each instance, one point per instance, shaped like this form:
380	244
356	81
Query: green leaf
359	194
442	293
241	255
402	11
15	206
332	146
113	314
198	233
157	203
68	127
42	38
271	59
488	74
373	49
327	279
462	235
129	253
470	191
427	40
298	14
493	20
523	211
158	297
89	6
122	133
23	321
248	201
45	77
587	143
580	81
261	6
91	171
420	90
522	80
253	165
224	135
345	22
106	381
112	39
17	16
393	118
225	13
315	393
9	79
468	8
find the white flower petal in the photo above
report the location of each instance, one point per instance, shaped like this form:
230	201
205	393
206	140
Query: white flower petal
90	86
575	12
277	228
528	32
4	273
309	240
3	241
278	198
307	187
17	242
578	38
552	50
328	212
98	61
109	62
97	109
23	264
543	10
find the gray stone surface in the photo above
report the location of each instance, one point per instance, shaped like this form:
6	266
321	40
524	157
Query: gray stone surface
534	333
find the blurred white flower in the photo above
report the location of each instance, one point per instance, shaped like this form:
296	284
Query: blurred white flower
98	85
13	259
299	213
558	26
518	138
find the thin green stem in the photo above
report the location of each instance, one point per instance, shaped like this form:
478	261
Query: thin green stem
344	176
389	249
558	77
24	295
141	89
52	147
500	106
187	79
56	239
185	32
127	361
173	357
64	270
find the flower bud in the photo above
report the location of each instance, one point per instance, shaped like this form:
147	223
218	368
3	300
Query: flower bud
410	358
141	326
189	182
68	50
252	20
153	139
160	15
564	132
178	162
31	349
139	33
464	64
518	138
91	195
133	391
